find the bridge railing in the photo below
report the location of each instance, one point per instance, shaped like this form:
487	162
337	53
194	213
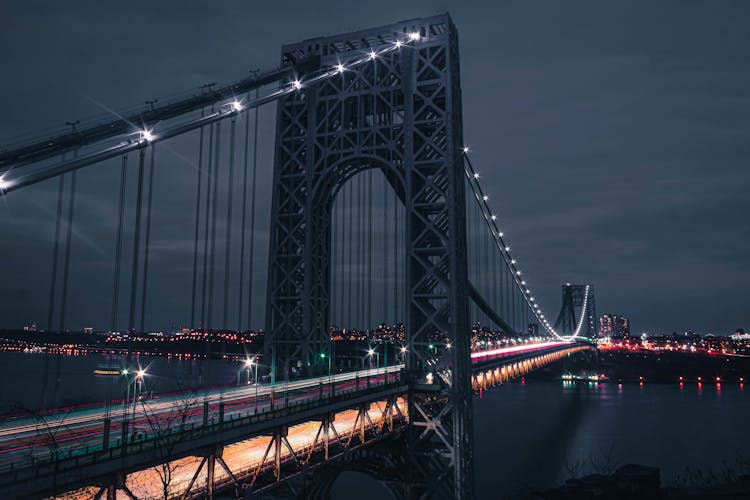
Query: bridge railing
57	462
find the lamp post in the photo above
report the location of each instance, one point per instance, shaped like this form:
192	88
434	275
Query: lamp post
249	363
139	381
324	356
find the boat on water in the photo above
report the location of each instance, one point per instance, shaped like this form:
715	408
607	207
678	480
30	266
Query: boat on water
596	377
108	370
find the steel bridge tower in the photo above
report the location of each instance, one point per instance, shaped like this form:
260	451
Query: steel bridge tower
401	114
572	298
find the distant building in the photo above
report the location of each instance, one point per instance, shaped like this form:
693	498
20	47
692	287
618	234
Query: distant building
30	327
89	330
612	325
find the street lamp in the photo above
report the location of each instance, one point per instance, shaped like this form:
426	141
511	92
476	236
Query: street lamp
139	381
323	356
249	363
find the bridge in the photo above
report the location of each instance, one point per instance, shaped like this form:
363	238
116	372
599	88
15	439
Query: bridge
377	215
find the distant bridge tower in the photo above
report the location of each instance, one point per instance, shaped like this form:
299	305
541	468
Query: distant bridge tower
400	115
573	298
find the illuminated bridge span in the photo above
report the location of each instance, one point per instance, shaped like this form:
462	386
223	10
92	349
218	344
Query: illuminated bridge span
377	216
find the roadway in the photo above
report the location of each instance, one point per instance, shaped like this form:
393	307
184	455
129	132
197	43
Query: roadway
26	438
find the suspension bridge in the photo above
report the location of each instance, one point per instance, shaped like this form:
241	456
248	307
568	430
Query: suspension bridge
377	216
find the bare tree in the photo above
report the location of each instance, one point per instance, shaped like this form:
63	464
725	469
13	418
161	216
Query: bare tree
47	437
167	429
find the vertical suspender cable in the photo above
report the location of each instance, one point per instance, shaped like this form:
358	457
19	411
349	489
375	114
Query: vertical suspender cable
350	259
340	261
209	184
118	245
360	249
386	247
136	240
197	226
396	267
253	184
214	217
68	237
149	203
228	244
243	229
369	249
55	252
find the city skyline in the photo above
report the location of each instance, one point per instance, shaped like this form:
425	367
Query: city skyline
637	248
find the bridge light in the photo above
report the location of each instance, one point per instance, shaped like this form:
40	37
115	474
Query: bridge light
476	176
322	355
297	84
124	371
147	135
494	217
500	234
403	349
4	184
415	36
448	345
340	68
373	55
398	44
248	362
518	273
140	373
236	106
370	351
466	149
485	198
507	249
512	261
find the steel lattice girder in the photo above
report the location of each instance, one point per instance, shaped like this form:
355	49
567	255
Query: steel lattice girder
400	114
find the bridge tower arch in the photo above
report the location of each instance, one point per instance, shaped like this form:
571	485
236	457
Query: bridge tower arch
402	111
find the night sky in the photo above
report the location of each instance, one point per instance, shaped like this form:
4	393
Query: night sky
612	138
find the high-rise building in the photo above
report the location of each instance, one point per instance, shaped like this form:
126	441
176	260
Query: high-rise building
613	325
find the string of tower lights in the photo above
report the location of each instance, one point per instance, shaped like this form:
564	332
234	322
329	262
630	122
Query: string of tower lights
503	247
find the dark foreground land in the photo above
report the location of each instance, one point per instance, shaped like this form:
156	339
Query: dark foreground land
642	482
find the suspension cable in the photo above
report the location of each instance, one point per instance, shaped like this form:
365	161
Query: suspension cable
253	184
118	245
214	218
197	226
68	238
136	241
209	184
228	242
55	252
147	245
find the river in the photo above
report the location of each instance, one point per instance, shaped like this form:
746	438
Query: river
526	435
